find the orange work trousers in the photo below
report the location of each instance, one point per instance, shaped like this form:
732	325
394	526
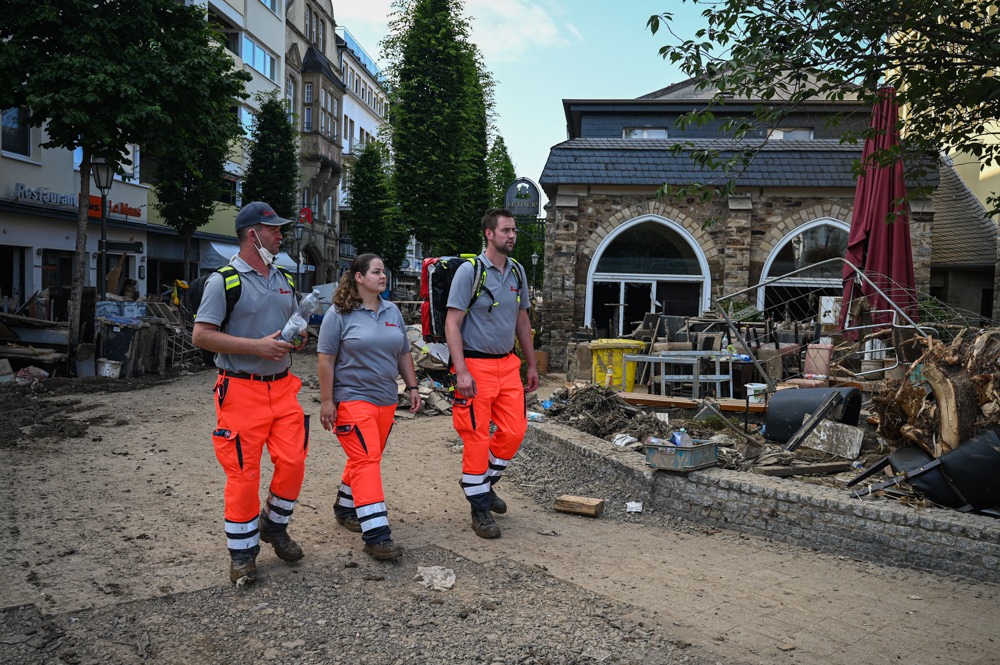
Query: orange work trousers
363	429
499	399
251	414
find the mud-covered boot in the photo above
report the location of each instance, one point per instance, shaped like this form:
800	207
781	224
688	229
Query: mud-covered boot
497	505
242	567
483	524
347	518
277	535
384	551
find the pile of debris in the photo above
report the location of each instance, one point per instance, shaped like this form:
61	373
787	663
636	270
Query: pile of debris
601	412
951	395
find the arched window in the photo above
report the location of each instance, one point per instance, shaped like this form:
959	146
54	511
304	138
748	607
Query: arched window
800	295
648	264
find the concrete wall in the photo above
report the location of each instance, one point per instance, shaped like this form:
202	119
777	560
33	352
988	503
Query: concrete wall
782	509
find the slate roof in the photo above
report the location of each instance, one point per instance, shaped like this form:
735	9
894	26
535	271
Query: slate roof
317	62
963	234
814	163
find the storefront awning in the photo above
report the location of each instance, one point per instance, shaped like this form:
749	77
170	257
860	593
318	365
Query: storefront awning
215	254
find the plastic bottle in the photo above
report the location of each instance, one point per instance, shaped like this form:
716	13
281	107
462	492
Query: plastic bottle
682	438
300	319
657	441
535	417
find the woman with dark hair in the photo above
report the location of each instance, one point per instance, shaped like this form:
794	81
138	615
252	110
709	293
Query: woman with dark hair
362	348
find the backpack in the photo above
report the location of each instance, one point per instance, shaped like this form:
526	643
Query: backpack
436	277
234	289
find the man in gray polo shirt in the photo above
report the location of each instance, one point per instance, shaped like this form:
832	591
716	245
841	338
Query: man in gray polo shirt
487	371
256	398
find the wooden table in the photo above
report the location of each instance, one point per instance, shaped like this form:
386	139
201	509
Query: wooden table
694	360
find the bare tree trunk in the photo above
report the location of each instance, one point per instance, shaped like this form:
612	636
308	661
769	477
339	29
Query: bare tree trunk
80	256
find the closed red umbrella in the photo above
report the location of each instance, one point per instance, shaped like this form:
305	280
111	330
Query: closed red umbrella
879	244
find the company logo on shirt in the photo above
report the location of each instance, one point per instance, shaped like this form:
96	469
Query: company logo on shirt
513	289
284	291
391	325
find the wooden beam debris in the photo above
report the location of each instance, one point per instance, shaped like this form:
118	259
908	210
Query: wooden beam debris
579	505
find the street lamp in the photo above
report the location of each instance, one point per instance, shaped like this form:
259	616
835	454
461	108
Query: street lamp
534	264
104	175
297	230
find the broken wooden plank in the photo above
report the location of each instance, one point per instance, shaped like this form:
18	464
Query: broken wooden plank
664	401
579	505
820	469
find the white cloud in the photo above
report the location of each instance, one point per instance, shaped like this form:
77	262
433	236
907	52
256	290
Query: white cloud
507	30
504	30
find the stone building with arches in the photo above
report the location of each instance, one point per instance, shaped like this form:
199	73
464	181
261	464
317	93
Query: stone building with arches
616	249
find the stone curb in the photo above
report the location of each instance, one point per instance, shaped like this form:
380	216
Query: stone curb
789	511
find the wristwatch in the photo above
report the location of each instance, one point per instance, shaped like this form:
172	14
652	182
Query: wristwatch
413	387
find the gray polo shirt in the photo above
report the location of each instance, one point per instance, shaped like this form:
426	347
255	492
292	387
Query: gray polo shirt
263	308
368	346
483	330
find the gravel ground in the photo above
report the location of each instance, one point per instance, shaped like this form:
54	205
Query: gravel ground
364	611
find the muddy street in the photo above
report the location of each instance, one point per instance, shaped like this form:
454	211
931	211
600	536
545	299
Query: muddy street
115	553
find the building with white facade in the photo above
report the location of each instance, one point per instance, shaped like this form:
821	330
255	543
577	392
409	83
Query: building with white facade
39	188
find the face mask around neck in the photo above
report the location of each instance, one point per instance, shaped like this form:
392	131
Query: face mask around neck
265	255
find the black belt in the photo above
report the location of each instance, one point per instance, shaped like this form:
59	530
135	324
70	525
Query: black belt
469	353
253	377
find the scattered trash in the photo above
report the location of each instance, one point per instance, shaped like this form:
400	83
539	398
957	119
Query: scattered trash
436	578
536	417
682	438
621	440
633	507
30	373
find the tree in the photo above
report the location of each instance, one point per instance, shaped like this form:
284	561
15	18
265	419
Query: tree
115	78
440	119
940	55
501	171
189	173
375	220
474	179
273	173
370	202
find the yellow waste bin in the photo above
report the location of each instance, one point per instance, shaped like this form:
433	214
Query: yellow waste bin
606	366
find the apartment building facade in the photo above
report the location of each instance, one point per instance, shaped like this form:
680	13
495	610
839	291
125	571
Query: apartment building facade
295	53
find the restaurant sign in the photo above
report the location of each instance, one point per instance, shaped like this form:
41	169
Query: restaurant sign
42	195
522	198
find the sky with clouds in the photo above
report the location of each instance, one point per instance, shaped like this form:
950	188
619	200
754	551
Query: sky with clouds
543	51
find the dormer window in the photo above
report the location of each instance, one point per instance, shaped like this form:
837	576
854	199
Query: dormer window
792	134
644	133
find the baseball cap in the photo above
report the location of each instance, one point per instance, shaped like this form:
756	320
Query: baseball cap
256	213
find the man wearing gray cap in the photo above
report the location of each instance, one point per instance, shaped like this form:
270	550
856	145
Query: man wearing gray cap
256	398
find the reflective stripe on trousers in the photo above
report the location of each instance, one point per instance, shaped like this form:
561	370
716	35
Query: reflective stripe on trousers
499	399
250	415
363	429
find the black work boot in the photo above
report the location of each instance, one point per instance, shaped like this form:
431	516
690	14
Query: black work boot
347	518
483	524
286	548
497	505
384	551
242	567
